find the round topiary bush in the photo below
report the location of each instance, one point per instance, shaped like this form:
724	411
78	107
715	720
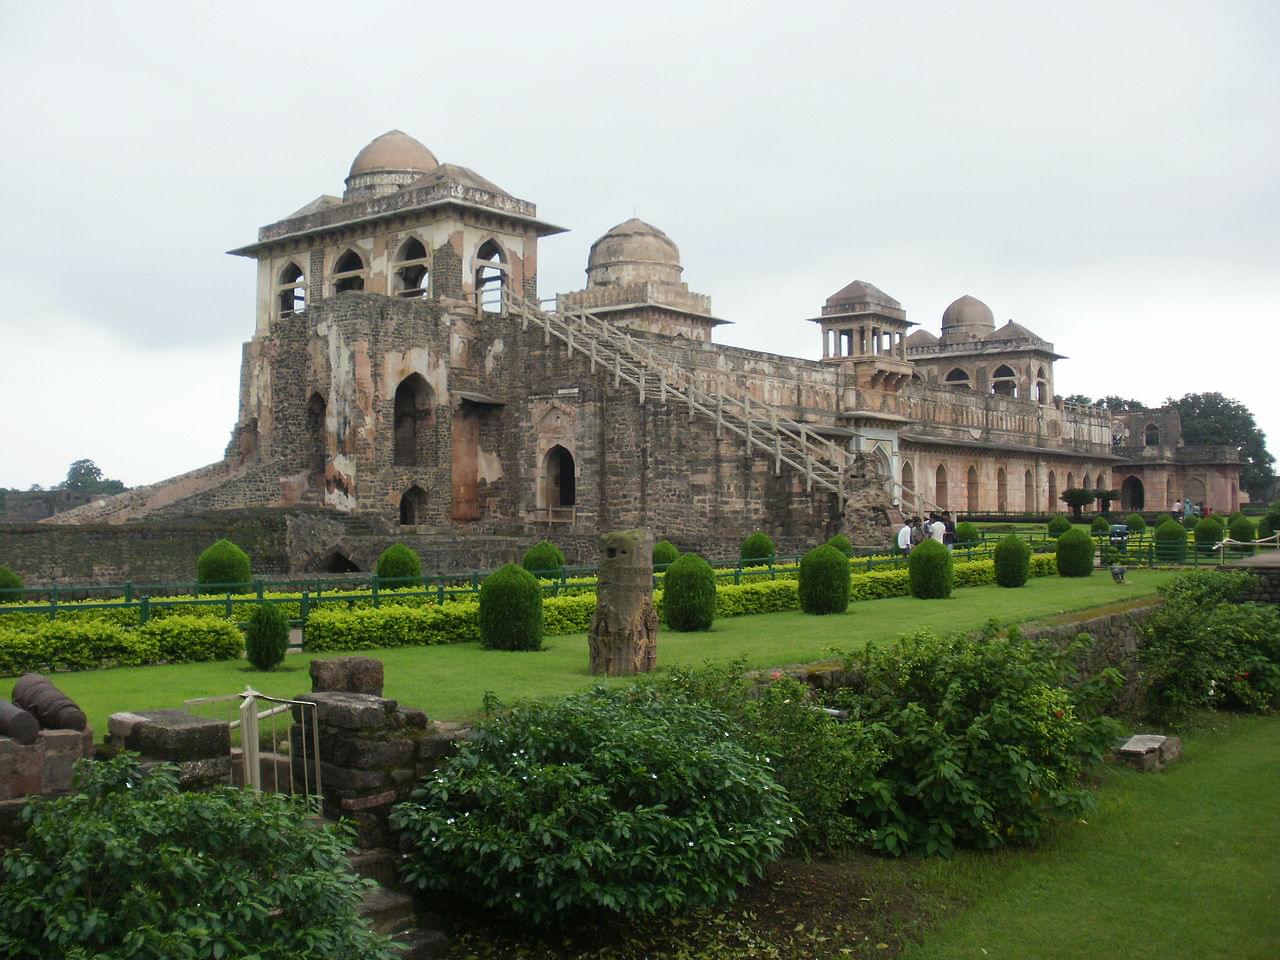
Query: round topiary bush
824	581
1268	525
664	552
223	568
1208	534
1075	554
1135	523
758	548
400	563
610	804
1189	523
841	543
1242	530
1170	541
1100	524
967	533
9	581
689	594
266	636
154	871
930	571
511	610
1013	561
1058	526
543	558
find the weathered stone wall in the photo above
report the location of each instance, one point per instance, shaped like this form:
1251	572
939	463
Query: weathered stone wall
30	506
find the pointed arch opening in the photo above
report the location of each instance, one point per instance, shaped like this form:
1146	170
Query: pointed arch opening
411	271
559	479
412	420
1053	492
1151	435
291	290
348	272
1168	492
958	379
317	447
490	277
1235	497
1028	492
1002	491
1042	386
1004	381
1133	495
941	492
971	489
909	476
413	506
1194	488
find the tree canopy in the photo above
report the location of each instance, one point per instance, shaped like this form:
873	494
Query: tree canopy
1212	419
85	476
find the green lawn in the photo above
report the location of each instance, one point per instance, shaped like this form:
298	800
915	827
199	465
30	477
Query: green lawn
1180	864
449	681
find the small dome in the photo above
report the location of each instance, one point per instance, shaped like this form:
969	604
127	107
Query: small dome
633	251
921	338
393	151
862	292
1011	331
968	311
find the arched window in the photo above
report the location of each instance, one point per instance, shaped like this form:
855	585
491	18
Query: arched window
348	273
1235	497
1042	386
940	487
411	271
1028	492
1004	382
1086	483
1132	494
971	484
958	379
1071	481
1168	492
560	483
1053	491
1151	436
1002	491
412	421
909	476
316	409
413	506
491	277
291	291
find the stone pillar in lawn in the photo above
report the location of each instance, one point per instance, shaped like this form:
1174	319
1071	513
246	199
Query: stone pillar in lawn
624	628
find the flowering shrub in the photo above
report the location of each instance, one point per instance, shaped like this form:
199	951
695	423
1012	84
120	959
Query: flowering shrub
611	802
983	738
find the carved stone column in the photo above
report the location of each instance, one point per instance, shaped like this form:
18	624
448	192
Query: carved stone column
624	629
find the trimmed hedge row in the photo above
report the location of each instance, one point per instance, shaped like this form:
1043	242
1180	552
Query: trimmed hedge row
57	646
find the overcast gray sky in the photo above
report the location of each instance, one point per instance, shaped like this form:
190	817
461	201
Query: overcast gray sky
1105	173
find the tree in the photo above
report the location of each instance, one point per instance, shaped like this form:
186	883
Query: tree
1106	496
1120	404
1211	419
1075	498
1080	400
85	476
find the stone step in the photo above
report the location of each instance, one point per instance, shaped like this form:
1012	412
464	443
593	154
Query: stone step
386	911
378	865
421	944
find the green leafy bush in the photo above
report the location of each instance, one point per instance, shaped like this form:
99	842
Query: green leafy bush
824	581
1075	554
1170	541
609	802
758	547
930	571
1204	648
61	645
968	533
824	765
1013	561
1136	523
1058	526
1100	524
542	558
1269	523
510	613
187	639
1189	523
984	739
266	636
9	581
129	866
841	543
1208	534
1242	530
330	629
223	568
664	552
689	594
401	565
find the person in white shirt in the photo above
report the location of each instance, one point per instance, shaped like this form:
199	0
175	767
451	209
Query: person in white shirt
938	530
904	536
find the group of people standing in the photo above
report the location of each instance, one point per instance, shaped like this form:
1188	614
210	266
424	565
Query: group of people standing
1185	508
937	526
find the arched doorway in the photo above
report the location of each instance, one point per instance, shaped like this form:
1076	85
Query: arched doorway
971	491
1235	497
1053	492
1002	491
412	421
1194	488
1133	495
942	494
560	483
909	477
1028	492
490	277
316	408
413	506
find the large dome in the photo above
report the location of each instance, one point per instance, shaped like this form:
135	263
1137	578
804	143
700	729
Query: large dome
633	251
967	318
394	150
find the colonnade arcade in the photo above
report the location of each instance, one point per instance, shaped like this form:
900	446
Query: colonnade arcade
863	340
986	485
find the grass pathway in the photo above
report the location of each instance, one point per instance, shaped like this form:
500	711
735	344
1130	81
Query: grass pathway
449	681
